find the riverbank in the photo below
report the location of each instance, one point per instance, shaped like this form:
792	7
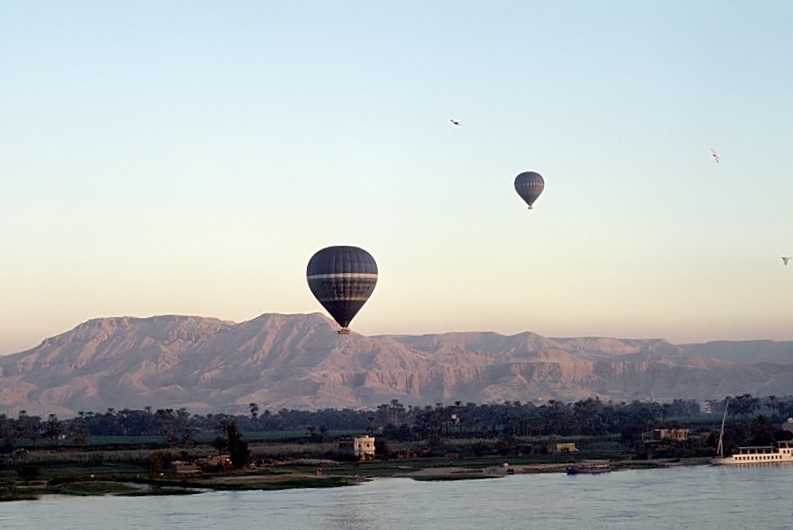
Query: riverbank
686	497
291	476
456	472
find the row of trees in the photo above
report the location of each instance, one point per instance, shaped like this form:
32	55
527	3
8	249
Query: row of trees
588	417
393	420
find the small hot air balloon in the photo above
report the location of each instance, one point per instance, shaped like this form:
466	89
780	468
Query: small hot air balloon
529	186
342	279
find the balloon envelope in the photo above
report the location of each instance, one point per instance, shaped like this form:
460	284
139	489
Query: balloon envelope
529	186
342	279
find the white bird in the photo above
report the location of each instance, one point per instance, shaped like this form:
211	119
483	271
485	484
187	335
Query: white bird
716	156
785	259
455	122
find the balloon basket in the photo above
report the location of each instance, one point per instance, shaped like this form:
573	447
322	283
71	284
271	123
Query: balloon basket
344	331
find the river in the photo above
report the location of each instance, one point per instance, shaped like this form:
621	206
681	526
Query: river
695	497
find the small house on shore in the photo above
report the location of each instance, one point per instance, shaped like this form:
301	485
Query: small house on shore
677	435
659	440
360	447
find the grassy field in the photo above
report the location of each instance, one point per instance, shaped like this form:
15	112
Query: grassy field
93	469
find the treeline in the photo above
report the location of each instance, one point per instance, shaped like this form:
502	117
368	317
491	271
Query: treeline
393	421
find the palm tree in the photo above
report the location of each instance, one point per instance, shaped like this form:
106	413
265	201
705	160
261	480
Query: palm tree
745	405
773	403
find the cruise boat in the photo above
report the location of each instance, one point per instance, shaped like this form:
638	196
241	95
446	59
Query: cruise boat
780	453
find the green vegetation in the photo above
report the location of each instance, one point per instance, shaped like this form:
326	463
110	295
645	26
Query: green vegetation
167	452
93	488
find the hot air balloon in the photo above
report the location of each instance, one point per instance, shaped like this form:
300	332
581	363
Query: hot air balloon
529	185
342	279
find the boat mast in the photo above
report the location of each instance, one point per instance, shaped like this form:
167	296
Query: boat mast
720	449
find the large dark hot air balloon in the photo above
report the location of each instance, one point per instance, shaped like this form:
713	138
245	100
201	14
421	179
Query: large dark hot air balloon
529	185
342	279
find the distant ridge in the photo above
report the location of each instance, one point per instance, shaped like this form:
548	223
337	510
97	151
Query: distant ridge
744	351
299	361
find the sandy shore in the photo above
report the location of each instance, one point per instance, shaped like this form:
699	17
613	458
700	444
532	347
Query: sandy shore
506	469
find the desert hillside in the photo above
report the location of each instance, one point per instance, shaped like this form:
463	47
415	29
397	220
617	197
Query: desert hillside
299	361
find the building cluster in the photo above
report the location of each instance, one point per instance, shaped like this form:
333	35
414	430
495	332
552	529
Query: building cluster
659	439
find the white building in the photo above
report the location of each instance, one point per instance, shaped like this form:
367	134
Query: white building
361	447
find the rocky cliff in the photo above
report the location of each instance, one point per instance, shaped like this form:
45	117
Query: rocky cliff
299	361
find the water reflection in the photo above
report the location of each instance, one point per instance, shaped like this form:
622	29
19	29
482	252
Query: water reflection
355	510
687	498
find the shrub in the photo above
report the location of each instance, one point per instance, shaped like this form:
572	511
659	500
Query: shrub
159	460
480	448
28	472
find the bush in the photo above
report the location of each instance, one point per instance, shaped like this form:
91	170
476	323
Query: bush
159	460
480	448
28	472
783	436
381	449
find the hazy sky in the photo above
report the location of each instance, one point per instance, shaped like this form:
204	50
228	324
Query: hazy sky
190	157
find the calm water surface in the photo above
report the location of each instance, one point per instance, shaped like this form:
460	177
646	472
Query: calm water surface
698	497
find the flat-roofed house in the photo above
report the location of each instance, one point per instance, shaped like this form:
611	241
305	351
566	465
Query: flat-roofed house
361	447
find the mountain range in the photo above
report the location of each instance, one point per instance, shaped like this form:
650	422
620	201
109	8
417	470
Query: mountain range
298	361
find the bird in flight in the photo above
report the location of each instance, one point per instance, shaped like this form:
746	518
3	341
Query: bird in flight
785	259
455	122
716	156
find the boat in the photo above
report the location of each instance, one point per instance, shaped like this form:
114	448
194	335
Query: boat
779	453
588	470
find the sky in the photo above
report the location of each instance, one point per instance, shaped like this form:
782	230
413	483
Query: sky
189	157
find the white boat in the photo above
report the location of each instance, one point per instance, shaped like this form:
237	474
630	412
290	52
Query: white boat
780	453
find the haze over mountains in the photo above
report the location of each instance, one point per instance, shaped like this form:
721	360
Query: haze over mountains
299	361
